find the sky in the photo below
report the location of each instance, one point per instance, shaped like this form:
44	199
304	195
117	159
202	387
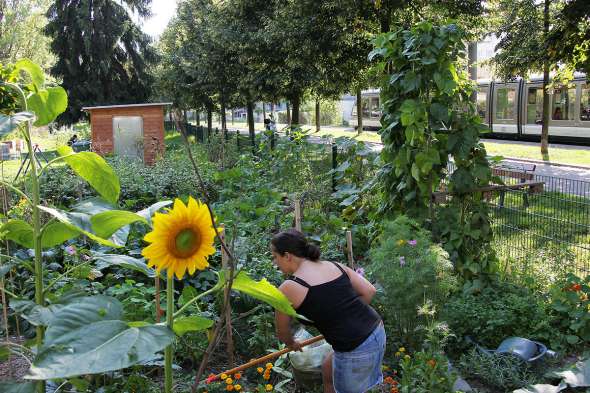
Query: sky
162	12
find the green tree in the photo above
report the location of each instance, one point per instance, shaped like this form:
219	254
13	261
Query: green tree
103	56
569	40
524	30
21	32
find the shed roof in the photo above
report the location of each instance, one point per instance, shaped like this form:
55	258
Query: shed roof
86	108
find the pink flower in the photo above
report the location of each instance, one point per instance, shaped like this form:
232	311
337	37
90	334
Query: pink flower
360	271
71	250
412	242
402	261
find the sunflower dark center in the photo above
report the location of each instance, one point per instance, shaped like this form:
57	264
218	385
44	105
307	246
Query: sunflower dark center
186	242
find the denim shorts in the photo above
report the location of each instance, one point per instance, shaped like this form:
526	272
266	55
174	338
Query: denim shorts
360	369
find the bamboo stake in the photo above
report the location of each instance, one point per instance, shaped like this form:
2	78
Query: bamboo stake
228	329
263	359
158	305
298	215
349	249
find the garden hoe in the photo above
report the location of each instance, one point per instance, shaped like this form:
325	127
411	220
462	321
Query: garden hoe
262	359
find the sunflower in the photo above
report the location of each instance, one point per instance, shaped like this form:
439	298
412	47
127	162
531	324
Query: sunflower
181	239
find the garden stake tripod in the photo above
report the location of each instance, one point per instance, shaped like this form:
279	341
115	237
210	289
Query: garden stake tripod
27	160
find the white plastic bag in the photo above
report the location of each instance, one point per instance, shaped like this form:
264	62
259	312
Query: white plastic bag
311	357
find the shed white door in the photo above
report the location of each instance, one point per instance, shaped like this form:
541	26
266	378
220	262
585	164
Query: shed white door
128	136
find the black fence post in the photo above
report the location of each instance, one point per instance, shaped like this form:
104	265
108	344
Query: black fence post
272	140
238	139
334	165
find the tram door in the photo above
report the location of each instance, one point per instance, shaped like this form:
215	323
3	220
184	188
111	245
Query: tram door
533	108
482	104
505	108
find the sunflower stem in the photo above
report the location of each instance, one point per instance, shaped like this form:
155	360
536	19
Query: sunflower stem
169	352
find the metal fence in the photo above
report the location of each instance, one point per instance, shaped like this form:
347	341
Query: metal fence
548	229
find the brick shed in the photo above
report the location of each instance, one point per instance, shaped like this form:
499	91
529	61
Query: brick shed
133	130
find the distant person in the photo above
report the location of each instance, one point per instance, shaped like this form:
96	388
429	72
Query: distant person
557	114
73	140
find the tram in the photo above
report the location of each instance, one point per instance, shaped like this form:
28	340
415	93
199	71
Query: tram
513	110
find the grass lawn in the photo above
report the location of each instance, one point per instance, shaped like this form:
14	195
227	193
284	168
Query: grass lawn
562	154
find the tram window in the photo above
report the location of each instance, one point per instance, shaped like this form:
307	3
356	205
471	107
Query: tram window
585	103
563	104
365	103
534	106
506	98
482	104
375	107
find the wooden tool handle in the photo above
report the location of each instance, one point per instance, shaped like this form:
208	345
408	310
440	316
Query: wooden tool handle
265	358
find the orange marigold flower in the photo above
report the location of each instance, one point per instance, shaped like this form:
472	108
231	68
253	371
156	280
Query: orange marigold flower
268	365
388	380
394	390
237	375
238	387
576	287
266	376
268	387
229	381
223	376
229	388
260	370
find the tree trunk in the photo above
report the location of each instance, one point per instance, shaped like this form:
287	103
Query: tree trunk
295	114
317	115
359	111
272	111
223	119
198	116
288	113
232	116
185	116
250	110
471	63
546	111
209	120
263	112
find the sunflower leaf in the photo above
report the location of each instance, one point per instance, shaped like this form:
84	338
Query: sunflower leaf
193	323
108	222
262	290
95	170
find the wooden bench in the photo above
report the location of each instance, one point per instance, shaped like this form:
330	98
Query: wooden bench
524	173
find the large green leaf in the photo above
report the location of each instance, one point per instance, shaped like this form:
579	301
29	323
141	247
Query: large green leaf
148	212
18	231
9	123
56	233
194	323
261	290
98	205
77	222
47	104
87	340
95	170
34	71
138	264
42	315
106	223
18	387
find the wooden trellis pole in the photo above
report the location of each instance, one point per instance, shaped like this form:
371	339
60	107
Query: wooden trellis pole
349	249
298	215
225	260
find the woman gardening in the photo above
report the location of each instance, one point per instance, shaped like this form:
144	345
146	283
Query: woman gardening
336	299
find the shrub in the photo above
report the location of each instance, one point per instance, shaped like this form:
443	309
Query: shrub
571	307
411	271
500	311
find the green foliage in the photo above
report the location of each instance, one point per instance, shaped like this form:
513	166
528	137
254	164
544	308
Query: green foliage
571	307
103	59
500	371
425	372
500	311
411	271
136	298
426	120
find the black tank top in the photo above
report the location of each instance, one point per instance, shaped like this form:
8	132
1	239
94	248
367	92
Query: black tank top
338	312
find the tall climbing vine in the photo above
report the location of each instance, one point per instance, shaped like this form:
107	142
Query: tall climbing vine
428	119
